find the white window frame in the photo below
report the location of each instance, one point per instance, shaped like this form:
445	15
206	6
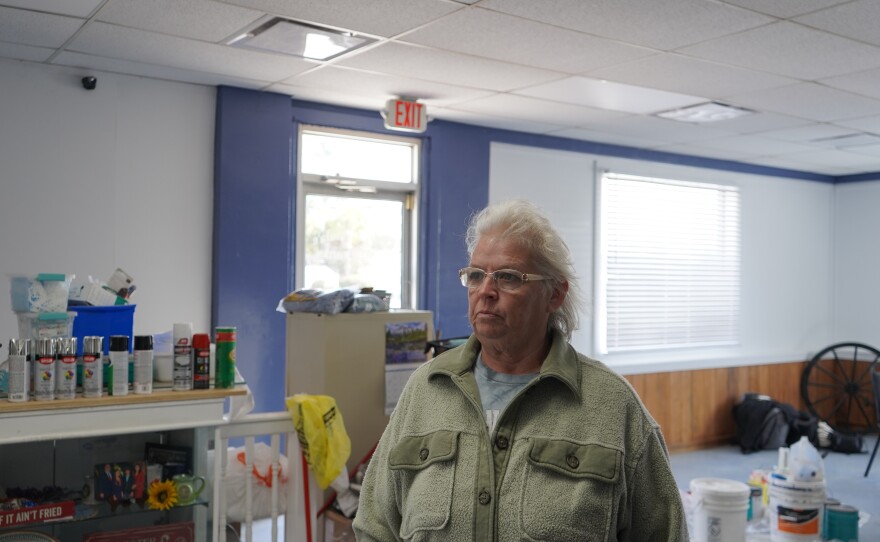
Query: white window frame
733	225
407	193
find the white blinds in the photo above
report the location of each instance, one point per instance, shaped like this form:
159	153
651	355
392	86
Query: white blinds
669	264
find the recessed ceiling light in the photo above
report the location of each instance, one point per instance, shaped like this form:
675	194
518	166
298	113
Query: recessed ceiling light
295	38
705	112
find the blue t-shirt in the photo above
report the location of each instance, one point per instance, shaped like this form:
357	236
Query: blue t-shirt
497	389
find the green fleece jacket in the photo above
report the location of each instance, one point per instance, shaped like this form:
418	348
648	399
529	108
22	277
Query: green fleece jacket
575	456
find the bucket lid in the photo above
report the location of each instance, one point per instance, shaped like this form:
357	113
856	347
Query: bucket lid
720	488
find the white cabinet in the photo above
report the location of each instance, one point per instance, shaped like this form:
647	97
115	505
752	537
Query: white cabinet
56	442
343	356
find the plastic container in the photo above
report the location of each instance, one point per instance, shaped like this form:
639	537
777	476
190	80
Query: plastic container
795	509
804	462
45	325
103	322
720	510
45	292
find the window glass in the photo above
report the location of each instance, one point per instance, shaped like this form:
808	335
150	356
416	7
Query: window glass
334	155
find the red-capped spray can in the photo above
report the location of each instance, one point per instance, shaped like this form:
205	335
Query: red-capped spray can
201	361
225	339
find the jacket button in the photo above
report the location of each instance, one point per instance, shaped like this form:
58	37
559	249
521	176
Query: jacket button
572	461
485	498
501	443
423	454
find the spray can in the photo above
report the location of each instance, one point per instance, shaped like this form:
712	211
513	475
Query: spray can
225	339
44	370
65	368
143	364
118	377
20	360
93	366
181	336
201	361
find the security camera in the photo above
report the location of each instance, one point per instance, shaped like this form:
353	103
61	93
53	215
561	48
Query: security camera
89	82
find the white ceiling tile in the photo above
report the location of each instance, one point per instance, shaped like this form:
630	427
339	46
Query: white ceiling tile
753	145
333	97
25	52
867	124
446	67
139	46
807	133
530	109
129	67
362	83
501	123
866	83
837	158
703	152
384	18
513	39
662	131
678	73
797	51
856	20
663	24
785	8
790	164
39	29
604	137
610	95
204	20
869	150
75	8
759	122
810	101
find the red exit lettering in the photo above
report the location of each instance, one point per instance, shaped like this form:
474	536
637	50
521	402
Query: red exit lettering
405	115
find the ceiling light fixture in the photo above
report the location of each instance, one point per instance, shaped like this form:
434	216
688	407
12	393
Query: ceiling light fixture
289	37
705	112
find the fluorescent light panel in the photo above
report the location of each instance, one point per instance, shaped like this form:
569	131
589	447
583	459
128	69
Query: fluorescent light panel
705	112
299	39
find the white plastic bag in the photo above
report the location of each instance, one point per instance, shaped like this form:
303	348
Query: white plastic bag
261	474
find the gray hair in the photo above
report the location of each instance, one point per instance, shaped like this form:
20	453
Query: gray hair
523	222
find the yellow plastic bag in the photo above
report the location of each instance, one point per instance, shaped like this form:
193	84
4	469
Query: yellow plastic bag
321	435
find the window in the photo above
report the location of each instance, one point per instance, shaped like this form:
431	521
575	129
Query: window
668	267
357	209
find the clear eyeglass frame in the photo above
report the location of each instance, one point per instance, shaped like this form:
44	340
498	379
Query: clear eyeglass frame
505	279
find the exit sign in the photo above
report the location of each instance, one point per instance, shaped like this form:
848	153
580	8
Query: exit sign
406	115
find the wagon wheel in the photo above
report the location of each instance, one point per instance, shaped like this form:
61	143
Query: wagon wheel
836	387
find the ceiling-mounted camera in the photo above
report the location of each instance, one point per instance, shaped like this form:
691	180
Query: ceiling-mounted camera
89	82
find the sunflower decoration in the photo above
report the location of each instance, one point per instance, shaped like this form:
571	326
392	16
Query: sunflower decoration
162	495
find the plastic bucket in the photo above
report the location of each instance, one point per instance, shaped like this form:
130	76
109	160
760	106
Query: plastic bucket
720	510
796	510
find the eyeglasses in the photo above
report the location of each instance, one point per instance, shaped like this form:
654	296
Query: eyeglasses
505	279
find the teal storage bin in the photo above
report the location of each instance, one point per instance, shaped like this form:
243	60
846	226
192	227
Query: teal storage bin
103	322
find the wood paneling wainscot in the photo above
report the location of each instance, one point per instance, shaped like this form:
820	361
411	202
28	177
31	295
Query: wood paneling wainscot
695	408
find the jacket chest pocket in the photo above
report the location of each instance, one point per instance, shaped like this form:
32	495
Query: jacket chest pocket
568	490
424	466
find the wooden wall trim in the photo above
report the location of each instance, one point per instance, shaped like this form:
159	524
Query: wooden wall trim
695	408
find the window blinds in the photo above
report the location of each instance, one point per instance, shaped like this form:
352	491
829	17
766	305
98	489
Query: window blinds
669	264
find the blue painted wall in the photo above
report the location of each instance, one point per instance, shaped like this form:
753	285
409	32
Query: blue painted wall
255	195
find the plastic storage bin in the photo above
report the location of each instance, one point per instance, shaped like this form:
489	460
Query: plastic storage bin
103	322
46	292
39	325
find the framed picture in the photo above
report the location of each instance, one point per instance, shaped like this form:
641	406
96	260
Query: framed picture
115	482
173	459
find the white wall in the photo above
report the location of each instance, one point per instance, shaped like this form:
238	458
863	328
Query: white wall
857	263
787	251
121	176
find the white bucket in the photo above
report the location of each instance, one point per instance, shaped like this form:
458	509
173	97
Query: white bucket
796	510
720	509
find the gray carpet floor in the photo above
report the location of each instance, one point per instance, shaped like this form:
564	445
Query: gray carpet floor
844	476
